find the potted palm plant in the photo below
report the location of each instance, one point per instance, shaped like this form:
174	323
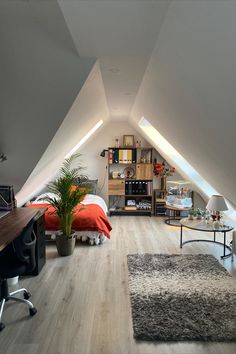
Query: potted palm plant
64	200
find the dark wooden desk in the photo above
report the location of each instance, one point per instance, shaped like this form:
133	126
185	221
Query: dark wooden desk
12	224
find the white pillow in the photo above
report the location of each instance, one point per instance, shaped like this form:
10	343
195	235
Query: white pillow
40	198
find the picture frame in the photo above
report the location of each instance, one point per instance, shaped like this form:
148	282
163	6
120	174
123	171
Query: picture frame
128	140
131	202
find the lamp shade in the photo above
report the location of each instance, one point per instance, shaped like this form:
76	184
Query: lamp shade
217	203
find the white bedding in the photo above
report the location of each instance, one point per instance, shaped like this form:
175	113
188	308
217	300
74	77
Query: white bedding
95	199
88	199
40	198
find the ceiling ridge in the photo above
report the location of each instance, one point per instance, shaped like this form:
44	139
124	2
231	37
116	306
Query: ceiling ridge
150	57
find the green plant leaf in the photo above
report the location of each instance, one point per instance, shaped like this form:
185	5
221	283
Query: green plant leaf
67	199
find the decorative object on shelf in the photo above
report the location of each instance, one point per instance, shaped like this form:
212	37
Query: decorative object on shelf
128	140
146	156
115	174
131	202
129	172
163	169
216	204
144	205
117	144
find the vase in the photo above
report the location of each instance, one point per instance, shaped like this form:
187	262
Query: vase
163	183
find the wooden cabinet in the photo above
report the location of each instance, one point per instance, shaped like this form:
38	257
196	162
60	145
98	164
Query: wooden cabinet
130	181
144	171
116	187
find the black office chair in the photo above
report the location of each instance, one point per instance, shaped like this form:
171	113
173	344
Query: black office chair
16	259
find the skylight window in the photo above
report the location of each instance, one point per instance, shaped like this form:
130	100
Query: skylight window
84	139
169	151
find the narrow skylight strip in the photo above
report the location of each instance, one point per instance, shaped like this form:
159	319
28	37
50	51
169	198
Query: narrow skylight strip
84	139
167	149
175	156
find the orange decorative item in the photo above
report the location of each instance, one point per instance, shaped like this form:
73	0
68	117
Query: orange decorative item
163	169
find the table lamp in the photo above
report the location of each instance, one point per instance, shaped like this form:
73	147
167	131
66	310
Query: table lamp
216	204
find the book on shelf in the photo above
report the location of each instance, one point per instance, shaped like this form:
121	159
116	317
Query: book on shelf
133	156
121	156
115	156
129	156
110	156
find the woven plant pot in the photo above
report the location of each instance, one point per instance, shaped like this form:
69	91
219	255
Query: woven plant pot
65	245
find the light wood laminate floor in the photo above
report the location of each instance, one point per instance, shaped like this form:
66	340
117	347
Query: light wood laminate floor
83	300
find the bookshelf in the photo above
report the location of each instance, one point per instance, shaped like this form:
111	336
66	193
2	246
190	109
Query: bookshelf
160	202
130	181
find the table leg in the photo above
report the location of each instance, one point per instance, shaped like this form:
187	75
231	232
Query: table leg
214	236
224	243
181	235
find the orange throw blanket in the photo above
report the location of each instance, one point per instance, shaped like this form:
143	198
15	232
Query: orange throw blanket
88	217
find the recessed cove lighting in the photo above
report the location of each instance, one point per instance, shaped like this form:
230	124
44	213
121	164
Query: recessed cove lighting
84	139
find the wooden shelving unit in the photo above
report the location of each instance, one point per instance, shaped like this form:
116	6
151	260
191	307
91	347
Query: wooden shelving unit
159	202
130	181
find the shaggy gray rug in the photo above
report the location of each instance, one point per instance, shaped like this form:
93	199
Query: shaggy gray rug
181	297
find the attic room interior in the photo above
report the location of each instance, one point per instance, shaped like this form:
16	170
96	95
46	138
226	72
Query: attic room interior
117	189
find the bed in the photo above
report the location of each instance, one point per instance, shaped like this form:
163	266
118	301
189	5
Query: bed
90	220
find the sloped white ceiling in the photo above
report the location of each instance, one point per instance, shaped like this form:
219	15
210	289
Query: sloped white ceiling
88	108
41	75
122	35
173	62
188	91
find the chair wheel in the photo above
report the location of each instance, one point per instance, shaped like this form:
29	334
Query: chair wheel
2	326
32	311
27	295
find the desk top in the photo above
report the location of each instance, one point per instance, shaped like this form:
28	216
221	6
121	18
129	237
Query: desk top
13	224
